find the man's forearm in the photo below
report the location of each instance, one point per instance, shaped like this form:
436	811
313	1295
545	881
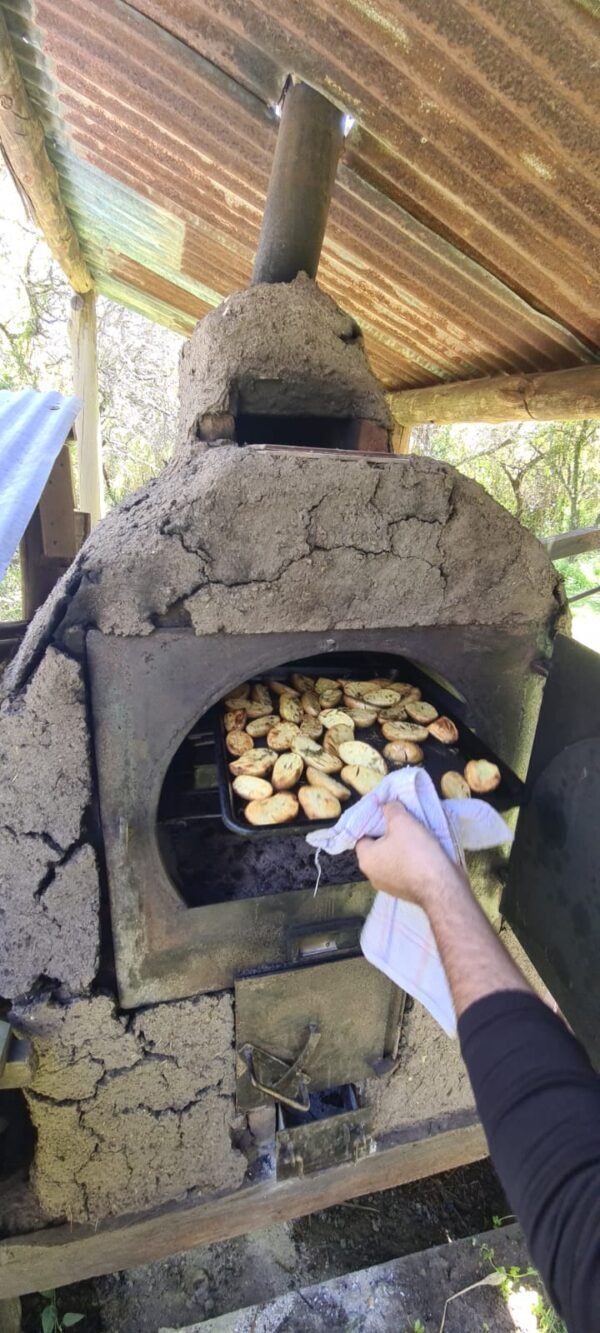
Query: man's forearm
475	960
537	1096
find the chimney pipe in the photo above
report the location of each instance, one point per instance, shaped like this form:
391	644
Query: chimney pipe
308	146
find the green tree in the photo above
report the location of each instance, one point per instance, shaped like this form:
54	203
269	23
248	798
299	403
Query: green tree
548	475
137	363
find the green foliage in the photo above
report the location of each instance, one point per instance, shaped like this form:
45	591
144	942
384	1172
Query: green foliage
10	591
137	360
547	473
137	364
581	572
51	1321
547	1319
138	393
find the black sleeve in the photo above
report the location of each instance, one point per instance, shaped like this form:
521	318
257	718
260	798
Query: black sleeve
539	1102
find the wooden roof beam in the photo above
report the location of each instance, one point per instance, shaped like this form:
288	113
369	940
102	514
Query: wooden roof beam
576	542
555	395
22	139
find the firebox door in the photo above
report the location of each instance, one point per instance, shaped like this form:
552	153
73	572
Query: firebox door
301	1030
552	897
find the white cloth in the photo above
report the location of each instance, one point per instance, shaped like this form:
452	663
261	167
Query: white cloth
397	937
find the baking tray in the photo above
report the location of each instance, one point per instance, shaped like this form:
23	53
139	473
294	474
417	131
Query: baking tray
438	758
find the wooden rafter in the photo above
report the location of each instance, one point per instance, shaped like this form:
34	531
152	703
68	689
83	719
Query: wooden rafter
24	146
556	395
576	542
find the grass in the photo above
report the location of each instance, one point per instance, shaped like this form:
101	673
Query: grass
513	1283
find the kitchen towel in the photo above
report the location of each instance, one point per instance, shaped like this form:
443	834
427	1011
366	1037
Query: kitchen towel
396	936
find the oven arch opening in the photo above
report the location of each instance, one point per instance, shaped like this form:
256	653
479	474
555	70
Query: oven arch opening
208	862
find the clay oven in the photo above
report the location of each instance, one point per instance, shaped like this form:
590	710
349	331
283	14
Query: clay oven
238	558
290	554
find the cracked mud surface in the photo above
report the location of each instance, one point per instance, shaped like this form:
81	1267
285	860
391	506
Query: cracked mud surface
49	883
246	540
276	347
130	1112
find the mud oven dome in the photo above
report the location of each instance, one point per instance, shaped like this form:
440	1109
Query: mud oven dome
232	980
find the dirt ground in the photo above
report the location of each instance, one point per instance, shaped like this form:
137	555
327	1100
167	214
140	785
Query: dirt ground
455	1283
259	1266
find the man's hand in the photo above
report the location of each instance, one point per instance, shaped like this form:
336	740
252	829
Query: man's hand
407	862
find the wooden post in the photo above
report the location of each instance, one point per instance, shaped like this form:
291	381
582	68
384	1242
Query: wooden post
52	537
58	1255
87	425
555	395
401	439
10	1316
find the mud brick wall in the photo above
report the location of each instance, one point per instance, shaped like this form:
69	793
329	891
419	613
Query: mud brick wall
130	1110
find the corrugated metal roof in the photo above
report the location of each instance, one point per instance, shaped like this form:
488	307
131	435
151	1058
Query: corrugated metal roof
463	232
33	429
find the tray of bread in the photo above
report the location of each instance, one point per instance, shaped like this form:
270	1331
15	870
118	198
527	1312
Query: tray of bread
295	748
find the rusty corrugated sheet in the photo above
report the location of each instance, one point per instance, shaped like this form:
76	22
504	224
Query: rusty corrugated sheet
463	233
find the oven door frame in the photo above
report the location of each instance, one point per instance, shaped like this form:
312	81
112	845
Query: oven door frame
146	695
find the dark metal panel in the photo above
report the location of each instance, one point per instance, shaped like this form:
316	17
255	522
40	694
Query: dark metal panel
552	898
323	1143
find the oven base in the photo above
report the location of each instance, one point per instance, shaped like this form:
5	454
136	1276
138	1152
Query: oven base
60	1255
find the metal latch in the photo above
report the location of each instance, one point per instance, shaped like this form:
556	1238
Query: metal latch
318	1144
276	1078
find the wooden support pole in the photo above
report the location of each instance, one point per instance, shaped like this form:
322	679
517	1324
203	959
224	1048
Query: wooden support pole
52	538
5	1043
401	439
22	138
87	425
10	1316
556	395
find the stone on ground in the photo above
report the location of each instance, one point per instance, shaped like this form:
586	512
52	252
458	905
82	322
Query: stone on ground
405	1295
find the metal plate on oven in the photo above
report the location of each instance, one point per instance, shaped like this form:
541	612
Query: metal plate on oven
321	1143
341	1016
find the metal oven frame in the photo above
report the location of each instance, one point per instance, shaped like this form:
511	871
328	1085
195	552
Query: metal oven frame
147	693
